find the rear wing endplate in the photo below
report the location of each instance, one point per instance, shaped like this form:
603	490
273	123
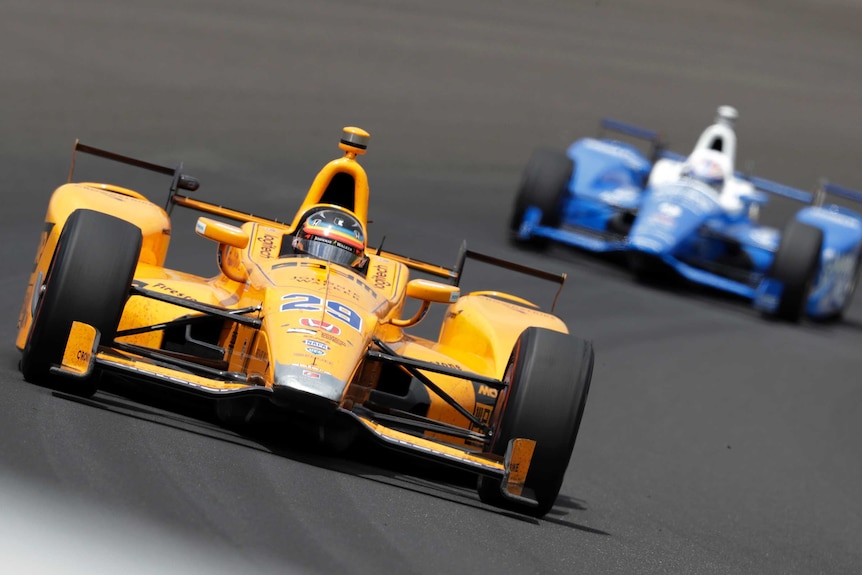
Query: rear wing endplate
454	274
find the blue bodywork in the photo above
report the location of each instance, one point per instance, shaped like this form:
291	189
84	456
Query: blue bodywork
608	206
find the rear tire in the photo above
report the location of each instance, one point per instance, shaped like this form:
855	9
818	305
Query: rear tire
549	377
795	265
544	184
88	281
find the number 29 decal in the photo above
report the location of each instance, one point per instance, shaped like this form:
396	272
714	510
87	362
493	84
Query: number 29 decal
308	302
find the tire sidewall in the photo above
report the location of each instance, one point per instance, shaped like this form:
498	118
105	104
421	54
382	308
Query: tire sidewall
795	265
544	184
546	409
88	281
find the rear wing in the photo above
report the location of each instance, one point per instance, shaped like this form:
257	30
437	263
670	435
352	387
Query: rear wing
455	273
829	189
817	198
179	181
777	189
658	146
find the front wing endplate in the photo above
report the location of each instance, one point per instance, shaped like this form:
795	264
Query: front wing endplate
519	453
79	357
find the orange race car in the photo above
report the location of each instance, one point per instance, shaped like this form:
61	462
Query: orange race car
305	322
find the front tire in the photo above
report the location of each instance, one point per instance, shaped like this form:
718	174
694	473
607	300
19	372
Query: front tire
795	266
549	377
544	185
88	281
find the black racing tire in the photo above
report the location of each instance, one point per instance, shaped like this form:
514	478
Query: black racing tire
88	281
549	377
544	184
795	265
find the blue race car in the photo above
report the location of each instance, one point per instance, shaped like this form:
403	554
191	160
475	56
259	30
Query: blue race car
694	215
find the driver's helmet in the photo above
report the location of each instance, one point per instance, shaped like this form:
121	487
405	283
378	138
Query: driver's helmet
332	234
707	167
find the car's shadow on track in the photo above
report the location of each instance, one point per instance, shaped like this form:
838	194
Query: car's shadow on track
364	458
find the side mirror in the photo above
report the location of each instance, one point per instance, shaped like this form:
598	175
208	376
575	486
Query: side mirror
754	197
230	240
188	183
428	292
431	291
222	233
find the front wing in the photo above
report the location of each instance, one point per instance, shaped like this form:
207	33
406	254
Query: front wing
577	237
83	354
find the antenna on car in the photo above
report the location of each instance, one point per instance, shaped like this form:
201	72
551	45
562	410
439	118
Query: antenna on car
820	193
72	167
458	269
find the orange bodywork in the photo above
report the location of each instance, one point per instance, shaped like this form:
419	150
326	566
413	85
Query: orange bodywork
308	325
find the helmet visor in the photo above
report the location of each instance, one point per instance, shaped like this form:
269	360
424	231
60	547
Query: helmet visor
330	250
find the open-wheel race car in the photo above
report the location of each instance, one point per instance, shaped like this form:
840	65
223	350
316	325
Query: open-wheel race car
696	216
306	323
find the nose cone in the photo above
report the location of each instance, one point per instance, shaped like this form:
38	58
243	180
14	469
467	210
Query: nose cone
313	359
669	216
650	243
310	381
659	227
318	328
303	390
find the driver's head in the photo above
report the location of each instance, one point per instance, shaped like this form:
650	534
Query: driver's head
707	167
333	234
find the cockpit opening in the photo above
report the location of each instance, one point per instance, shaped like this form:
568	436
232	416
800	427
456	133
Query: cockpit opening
340	191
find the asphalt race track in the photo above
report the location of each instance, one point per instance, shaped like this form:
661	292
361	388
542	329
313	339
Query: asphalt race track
714	441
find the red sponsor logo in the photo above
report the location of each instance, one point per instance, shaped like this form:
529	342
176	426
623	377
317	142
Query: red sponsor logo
320	324
311	374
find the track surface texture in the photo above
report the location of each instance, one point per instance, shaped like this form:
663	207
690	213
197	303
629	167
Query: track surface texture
713	441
